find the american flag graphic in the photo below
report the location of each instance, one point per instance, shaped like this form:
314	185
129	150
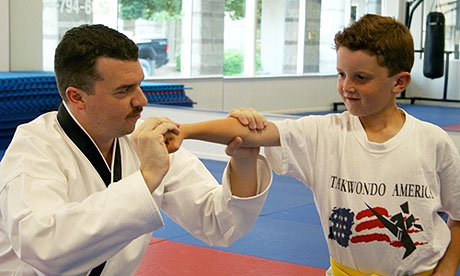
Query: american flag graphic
375	225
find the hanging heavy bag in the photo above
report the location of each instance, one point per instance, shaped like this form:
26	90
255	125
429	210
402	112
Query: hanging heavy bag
433	62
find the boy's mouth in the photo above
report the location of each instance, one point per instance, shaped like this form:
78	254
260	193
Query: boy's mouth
351	98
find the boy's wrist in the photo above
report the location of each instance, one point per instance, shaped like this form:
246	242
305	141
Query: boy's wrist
190	131
185	131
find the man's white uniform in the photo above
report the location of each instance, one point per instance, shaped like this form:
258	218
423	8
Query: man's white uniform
59	218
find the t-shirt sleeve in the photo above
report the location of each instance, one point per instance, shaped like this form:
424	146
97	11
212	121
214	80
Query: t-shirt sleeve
449	176
295	157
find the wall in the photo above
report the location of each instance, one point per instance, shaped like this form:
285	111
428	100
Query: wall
4	36
272	29
394	8
332	20
266	94
434	88
25	34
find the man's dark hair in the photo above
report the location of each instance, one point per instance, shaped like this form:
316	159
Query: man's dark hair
76	55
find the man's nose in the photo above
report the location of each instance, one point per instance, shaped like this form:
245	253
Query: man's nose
139	98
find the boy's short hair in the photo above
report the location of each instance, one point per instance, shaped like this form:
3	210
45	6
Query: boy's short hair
383	37
77	52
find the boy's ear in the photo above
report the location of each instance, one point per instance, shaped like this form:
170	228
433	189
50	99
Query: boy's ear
76	97
402	81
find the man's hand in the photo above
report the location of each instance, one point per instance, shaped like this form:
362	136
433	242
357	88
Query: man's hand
249	117
149	142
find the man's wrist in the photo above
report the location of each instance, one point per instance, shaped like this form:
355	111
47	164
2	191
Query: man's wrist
152	180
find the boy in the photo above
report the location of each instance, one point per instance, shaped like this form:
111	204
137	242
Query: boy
379	176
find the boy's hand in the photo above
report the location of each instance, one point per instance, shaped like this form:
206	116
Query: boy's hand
173	141
249	117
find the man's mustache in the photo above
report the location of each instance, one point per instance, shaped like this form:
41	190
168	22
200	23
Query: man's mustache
136	111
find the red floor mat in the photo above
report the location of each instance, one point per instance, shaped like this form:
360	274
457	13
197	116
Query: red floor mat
168	258
454	127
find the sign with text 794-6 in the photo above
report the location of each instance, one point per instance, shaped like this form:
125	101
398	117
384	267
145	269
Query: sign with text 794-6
73	13
76	6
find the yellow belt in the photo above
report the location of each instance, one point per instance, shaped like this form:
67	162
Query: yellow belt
341	270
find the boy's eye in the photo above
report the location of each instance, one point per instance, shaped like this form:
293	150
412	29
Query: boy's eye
341	75
362	77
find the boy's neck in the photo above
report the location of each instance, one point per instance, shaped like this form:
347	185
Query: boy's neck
382	128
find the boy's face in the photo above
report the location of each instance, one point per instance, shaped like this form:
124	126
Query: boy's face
365	87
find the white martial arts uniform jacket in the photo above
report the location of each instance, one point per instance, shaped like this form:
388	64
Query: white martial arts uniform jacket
59	218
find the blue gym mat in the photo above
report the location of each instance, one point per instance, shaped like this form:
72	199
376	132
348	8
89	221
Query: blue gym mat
288	228
438	115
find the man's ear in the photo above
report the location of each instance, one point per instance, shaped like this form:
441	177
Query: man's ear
76	97
402	81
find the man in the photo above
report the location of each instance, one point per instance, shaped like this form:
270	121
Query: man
80	197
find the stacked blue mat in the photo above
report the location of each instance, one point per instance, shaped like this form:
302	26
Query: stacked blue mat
166	93
25	95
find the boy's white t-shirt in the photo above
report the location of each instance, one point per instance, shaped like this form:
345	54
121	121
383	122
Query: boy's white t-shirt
378	202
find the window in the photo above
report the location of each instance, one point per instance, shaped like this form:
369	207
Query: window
183	38
155	26
61	15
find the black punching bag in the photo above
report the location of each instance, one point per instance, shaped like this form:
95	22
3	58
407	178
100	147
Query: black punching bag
433	62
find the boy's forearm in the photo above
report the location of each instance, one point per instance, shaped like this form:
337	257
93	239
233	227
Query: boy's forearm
448	265
224	130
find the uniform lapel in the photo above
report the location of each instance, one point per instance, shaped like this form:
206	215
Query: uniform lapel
88	148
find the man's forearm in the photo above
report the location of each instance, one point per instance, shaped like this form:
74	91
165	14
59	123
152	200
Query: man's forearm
243	177
224	130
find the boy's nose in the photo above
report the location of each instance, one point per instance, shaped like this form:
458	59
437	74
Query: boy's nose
348	86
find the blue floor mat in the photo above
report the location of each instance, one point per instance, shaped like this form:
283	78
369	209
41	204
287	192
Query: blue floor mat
288	228
438	115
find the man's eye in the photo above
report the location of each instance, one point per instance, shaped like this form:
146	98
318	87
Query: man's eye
121	92
124	90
